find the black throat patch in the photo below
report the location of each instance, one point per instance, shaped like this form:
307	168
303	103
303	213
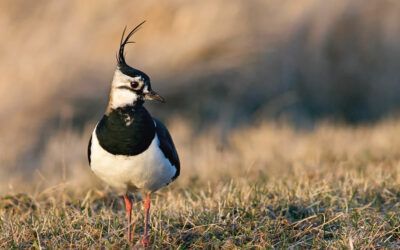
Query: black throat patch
126	131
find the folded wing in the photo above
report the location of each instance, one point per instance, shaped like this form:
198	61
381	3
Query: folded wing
167	146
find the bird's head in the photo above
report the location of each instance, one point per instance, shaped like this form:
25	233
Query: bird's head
130	86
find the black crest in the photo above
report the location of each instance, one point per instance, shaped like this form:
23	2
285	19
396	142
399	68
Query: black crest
121	54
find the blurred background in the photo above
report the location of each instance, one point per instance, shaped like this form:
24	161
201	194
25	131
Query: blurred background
221	65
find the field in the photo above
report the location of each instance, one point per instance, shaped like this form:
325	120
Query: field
285	115
268	186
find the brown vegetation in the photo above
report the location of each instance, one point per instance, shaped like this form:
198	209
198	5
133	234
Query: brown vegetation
246	84
218	63
267	186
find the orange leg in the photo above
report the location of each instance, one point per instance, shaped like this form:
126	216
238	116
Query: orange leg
128	211
145	239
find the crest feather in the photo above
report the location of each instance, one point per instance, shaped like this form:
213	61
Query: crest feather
124	41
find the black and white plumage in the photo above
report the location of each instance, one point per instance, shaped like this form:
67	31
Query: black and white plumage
129	149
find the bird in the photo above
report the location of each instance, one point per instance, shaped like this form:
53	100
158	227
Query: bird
129	149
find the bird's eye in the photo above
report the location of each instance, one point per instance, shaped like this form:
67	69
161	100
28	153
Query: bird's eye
134	84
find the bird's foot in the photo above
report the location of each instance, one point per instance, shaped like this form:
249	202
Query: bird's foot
145	241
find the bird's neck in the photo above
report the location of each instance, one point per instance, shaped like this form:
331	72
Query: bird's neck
138	103
132	108
121	98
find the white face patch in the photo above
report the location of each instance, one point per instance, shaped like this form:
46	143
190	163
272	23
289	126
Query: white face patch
120	95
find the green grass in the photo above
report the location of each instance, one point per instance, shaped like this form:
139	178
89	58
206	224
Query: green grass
336	187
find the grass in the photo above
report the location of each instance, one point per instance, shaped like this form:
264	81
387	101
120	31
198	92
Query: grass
269	186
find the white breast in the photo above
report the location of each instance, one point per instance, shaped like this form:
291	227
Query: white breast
149	170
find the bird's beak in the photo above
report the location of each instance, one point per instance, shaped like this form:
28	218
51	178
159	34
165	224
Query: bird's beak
152	95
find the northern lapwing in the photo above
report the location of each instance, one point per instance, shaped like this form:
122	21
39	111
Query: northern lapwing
129	149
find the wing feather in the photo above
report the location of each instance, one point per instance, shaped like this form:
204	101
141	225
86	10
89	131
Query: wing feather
89	150
167	146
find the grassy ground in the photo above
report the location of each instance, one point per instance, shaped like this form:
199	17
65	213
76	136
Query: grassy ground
269	186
